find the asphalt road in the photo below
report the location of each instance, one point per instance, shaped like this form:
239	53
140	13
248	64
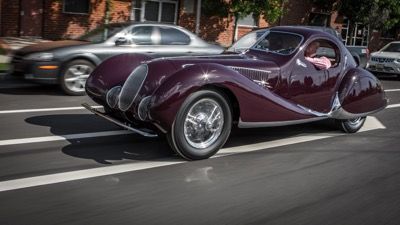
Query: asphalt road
60	164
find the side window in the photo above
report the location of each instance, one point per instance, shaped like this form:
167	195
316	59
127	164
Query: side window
172	36
141	35
324	48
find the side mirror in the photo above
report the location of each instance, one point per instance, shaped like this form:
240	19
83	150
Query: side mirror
121	41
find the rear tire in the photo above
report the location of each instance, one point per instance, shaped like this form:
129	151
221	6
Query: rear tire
74	75
202	125
351	125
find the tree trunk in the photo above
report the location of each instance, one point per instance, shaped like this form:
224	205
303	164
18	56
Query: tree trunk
235	28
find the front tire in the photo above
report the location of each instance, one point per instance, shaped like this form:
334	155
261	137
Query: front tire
351	125
74	75
202	125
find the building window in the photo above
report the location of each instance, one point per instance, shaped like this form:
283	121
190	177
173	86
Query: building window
76	6
355	33
164	11
247	21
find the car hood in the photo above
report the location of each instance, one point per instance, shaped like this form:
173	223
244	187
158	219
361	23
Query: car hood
386	54
49	46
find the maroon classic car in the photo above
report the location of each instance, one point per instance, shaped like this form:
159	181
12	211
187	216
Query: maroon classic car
195	101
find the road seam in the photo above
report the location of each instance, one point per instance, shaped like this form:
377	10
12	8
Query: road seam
45	109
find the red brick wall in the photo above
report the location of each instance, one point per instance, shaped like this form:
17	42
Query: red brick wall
10	18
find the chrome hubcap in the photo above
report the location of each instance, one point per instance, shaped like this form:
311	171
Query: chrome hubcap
355	121
203	123
76	76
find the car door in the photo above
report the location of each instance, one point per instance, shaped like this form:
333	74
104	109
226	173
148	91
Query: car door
311	87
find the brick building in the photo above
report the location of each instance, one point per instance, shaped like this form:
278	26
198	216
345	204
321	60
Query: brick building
56	19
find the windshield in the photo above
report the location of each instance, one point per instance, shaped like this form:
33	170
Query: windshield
392	47
279	42
102	33
246	41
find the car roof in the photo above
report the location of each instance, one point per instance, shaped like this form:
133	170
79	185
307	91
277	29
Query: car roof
143	23
306	32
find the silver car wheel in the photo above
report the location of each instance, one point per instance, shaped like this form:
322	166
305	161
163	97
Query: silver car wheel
75	77
355	121
203	123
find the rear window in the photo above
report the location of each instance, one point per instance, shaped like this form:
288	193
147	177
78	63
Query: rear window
141	35
172	36
279	42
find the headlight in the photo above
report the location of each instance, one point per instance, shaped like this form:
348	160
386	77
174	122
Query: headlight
45	56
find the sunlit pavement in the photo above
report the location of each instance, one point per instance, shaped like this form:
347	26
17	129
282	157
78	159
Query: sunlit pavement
59	164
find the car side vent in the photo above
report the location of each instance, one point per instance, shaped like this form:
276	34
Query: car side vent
131	87
253	74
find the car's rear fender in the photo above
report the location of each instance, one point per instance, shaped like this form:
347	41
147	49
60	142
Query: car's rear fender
361	93
256	103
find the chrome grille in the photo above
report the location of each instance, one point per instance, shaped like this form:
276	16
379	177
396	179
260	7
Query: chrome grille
131	87
258	76
382	60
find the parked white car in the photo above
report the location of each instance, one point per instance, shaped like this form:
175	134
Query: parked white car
386	60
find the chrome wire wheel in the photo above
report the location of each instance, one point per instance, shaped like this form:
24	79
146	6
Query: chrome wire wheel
351	125
355	121
203	123
75	77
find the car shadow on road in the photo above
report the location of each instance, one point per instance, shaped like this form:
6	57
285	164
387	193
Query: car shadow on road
117	148
102	149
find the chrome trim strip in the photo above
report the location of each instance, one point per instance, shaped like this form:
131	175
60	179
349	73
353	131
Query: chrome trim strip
246	68
276	124
117	122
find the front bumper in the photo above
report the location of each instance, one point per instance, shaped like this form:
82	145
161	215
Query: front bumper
144	132
38	71
385	67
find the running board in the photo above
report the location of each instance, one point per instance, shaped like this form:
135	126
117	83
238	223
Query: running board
117	122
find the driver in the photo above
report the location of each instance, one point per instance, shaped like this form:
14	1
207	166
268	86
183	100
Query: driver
321	63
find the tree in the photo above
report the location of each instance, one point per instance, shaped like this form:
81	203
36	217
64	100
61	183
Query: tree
375	13
271	10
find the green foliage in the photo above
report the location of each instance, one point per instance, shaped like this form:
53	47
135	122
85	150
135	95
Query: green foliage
271	10
376	13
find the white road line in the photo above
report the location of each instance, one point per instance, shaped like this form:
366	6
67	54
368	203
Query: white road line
392	90
393	106
44	109
63	137
371	124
